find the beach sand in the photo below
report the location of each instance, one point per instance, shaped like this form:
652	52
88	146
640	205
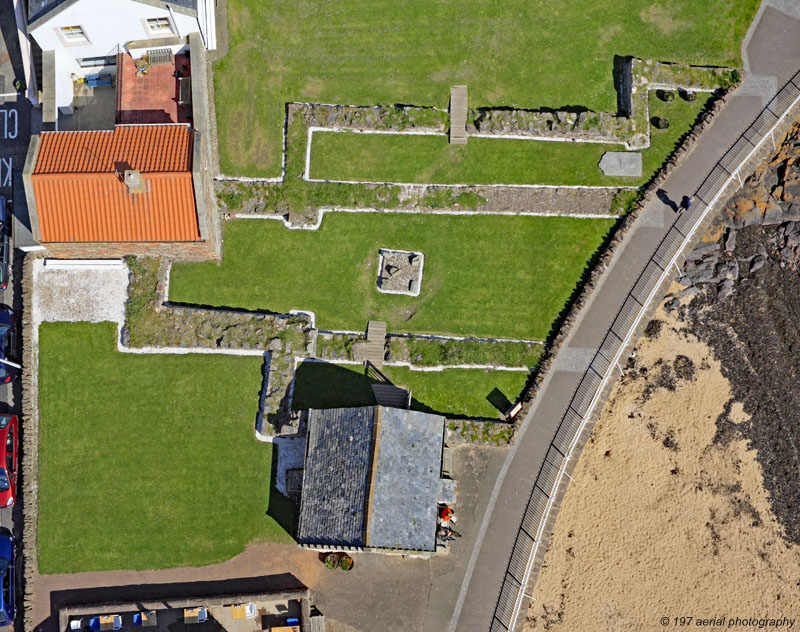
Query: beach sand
666	517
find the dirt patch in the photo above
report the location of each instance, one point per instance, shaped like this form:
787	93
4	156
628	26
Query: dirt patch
659	16
663	518
555	201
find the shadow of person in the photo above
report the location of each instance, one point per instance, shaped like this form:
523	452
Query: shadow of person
662	195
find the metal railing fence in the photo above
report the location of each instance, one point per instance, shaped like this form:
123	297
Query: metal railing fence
590	391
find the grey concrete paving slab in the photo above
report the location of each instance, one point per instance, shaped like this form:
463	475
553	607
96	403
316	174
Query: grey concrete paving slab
621	163
774	48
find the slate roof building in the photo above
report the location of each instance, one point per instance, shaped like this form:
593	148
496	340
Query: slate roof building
372	480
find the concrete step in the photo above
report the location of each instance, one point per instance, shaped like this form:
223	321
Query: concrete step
390	396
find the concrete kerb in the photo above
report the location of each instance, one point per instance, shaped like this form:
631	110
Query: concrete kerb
599	397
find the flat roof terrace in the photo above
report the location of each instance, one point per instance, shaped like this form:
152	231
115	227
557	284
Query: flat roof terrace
228	613
155	92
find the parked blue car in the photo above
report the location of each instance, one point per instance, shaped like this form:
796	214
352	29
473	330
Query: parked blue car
7	573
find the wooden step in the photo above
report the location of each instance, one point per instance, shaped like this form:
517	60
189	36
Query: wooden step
376	340
458	115
376	329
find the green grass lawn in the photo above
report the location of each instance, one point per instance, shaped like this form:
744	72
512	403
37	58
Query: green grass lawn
431	159
483	275
512	53
147	461
452	392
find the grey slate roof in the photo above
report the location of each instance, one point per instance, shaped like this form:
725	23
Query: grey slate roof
336	476
406	485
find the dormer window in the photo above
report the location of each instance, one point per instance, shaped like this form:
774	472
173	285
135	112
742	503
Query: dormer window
73	35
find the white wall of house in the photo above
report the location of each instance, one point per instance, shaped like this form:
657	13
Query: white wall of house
105	24
207	20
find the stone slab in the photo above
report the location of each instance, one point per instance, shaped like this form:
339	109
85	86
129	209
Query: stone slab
621	163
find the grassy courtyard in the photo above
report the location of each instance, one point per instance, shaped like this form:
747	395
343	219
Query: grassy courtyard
147	462
431	159
483	275
452	392
554	54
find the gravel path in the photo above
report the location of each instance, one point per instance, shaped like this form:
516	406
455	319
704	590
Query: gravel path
92	291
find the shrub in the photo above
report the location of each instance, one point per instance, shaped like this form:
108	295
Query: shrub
332	560
346	563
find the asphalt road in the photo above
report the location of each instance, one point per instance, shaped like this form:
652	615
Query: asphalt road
15	131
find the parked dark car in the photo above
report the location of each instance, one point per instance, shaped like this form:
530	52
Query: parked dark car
7	574
5	243
8	346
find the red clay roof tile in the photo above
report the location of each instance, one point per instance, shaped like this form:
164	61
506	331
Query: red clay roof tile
80	195
147	148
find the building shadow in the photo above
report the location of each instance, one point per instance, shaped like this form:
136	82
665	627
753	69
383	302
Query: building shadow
281	508
328	385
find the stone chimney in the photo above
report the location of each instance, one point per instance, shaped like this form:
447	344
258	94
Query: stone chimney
134	181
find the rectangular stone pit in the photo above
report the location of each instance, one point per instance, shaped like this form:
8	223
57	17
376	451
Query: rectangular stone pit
400	272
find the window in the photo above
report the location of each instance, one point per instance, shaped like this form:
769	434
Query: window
94	62
160	26
73	35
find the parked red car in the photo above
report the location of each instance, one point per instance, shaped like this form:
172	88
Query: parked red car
9	431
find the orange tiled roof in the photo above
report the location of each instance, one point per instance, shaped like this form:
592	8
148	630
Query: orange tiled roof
80	195
148	148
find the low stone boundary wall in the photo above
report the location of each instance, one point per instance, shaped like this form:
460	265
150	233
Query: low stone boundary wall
30	440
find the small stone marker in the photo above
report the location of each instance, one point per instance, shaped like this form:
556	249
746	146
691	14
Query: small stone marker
621	163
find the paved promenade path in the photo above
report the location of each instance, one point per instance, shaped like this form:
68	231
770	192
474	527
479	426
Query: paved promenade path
771	54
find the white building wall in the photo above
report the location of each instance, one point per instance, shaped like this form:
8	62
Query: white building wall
207	19
107	24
